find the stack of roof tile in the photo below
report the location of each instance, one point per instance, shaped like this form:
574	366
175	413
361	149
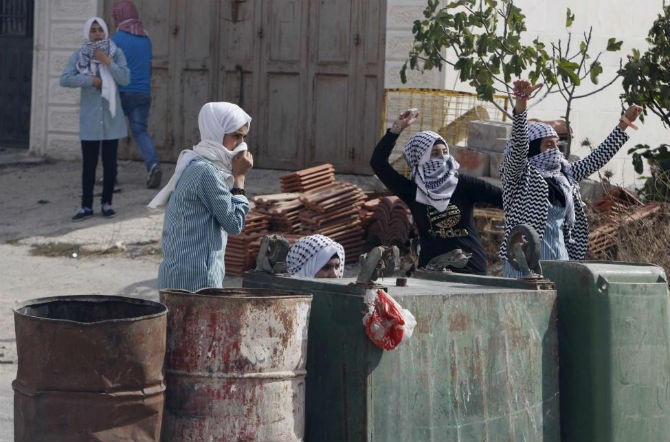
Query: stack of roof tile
242	249
282	209
390	220
308	179
334	211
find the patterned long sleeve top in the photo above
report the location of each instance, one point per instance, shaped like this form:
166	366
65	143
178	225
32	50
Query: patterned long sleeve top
526	193
200	215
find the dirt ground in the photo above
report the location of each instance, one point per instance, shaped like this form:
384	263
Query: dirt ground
44	254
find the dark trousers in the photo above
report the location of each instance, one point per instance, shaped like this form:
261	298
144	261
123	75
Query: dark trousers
90	150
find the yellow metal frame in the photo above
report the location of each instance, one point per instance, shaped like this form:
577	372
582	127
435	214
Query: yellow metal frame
443	111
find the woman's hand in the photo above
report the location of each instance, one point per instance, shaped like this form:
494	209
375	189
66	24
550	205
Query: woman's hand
242	162
404	120
629	116
97	82
100	55
523	90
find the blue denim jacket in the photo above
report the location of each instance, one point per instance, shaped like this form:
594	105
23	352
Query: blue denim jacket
95	120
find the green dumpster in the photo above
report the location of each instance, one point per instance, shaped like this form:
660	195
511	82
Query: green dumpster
614	351
480	366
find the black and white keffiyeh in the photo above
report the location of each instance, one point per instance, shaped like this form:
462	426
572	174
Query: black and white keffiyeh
552	165
307	256
436	178
87	64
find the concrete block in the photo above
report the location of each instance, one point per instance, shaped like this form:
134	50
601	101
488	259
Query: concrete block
474	163
591	190
495	158
484	134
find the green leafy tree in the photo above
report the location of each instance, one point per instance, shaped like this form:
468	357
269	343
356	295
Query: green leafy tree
646	81
482	40
646	77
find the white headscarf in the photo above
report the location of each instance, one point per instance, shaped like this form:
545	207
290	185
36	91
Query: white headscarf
87	64
215	120
311	253
436	178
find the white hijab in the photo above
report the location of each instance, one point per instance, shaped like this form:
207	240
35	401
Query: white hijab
91	66
215	121
311	253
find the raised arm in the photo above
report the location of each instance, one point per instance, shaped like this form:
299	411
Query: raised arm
601	155
516	158
394	181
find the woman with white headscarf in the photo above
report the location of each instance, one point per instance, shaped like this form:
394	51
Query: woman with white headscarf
316	256
205	200
540	187
441	200
97	68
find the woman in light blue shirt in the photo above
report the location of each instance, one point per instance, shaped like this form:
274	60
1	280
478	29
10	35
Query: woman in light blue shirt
97	68
205	200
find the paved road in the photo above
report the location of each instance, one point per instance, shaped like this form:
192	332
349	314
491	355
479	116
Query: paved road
37	199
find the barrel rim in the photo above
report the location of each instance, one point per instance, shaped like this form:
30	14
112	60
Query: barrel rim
91	298
237	293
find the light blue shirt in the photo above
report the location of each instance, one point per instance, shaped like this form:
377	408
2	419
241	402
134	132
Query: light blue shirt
200	215
553	241
95	119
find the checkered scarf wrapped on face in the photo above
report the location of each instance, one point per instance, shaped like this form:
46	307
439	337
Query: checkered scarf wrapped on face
435	178
552	164
311	253
87	64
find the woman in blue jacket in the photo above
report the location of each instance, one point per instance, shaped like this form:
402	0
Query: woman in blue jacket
97	68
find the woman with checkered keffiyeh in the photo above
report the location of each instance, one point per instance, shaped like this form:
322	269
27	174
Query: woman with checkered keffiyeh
540	187
441	200
316	256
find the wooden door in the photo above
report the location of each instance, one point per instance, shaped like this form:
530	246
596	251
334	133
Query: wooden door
345	72
157	18
310	73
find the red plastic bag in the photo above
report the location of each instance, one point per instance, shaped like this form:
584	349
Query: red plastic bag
387	324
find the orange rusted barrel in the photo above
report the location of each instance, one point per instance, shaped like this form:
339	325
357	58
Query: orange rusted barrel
89	368
235	365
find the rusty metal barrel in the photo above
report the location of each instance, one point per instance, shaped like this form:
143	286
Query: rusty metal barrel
89	368
235	365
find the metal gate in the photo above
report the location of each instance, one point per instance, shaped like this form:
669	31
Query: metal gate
16	64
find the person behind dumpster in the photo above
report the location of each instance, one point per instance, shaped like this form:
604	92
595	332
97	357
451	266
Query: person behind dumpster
440	198
136	96
97	68
540	187
206	200
316	256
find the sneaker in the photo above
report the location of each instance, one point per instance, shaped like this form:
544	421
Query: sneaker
107	211
154	177
82	214
100	181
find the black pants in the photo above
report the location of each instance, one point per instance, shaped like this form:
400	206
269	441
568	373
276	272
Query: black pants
90	150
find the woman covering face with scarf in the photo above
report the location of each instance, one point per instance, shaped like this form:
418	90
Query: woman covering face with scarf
205	200
540	187
96	68
441	200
